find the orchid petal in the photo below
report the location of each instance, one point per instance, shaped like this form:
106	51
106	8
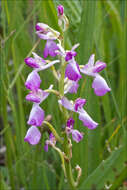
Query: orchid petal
33	81
100	86
72	71
50	49
36	116
66	103
33	135
87	120
77	136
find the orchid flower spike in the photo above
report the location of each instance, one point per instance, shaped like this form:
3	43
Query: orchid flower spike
99	84
77	107
45	32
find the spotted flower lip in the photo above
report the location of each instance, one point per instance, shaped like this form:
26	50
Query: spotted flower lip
50	49
60	10
99	84
38	96
36	116
33	81
83	116
45	32
33	135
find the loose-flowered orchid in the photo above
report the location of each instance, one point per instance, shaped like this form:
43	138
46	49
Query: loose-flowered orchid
99	84
68	77
77	107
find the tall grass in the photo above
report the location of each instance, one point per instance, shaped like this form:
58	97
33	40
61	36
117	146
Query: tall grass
101	28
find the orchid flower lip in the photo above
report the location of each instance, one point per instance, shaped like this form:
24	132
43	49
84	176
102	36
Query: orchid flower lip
36	116
33	135
33	81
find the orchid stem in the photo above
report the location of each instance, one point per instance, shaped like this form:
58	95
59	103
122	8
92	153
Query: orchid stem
53	131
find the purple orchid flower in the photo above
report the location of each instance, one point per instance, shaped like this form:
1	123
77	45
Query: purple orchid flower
38	96
72	69
50	49
51	141
38	63
77	107
33	135
99	84
36	116
45	32
76	135
35	62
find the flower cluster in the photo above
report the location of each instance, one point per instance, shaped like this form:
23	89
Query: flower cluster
68	76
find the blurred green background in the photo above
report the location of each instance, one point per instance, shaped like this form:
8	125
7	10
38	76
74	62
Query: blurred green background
100	26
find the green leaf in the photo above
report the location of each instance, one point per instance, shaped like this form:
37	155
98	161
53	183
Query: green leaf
107	171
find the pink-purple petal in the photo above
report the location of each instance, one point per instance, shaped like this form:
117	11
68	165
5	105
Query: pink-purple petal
66	103
99	66
33	135
33	81
50	49
70	122
33	97
70	55
77	136
31	62
36	116
60	10
87	120
100	86
72	71
79	103
74	87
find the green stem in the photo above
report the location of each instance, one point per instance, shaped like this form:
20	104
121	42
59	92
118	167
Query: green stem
68	167
53	131
66	147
